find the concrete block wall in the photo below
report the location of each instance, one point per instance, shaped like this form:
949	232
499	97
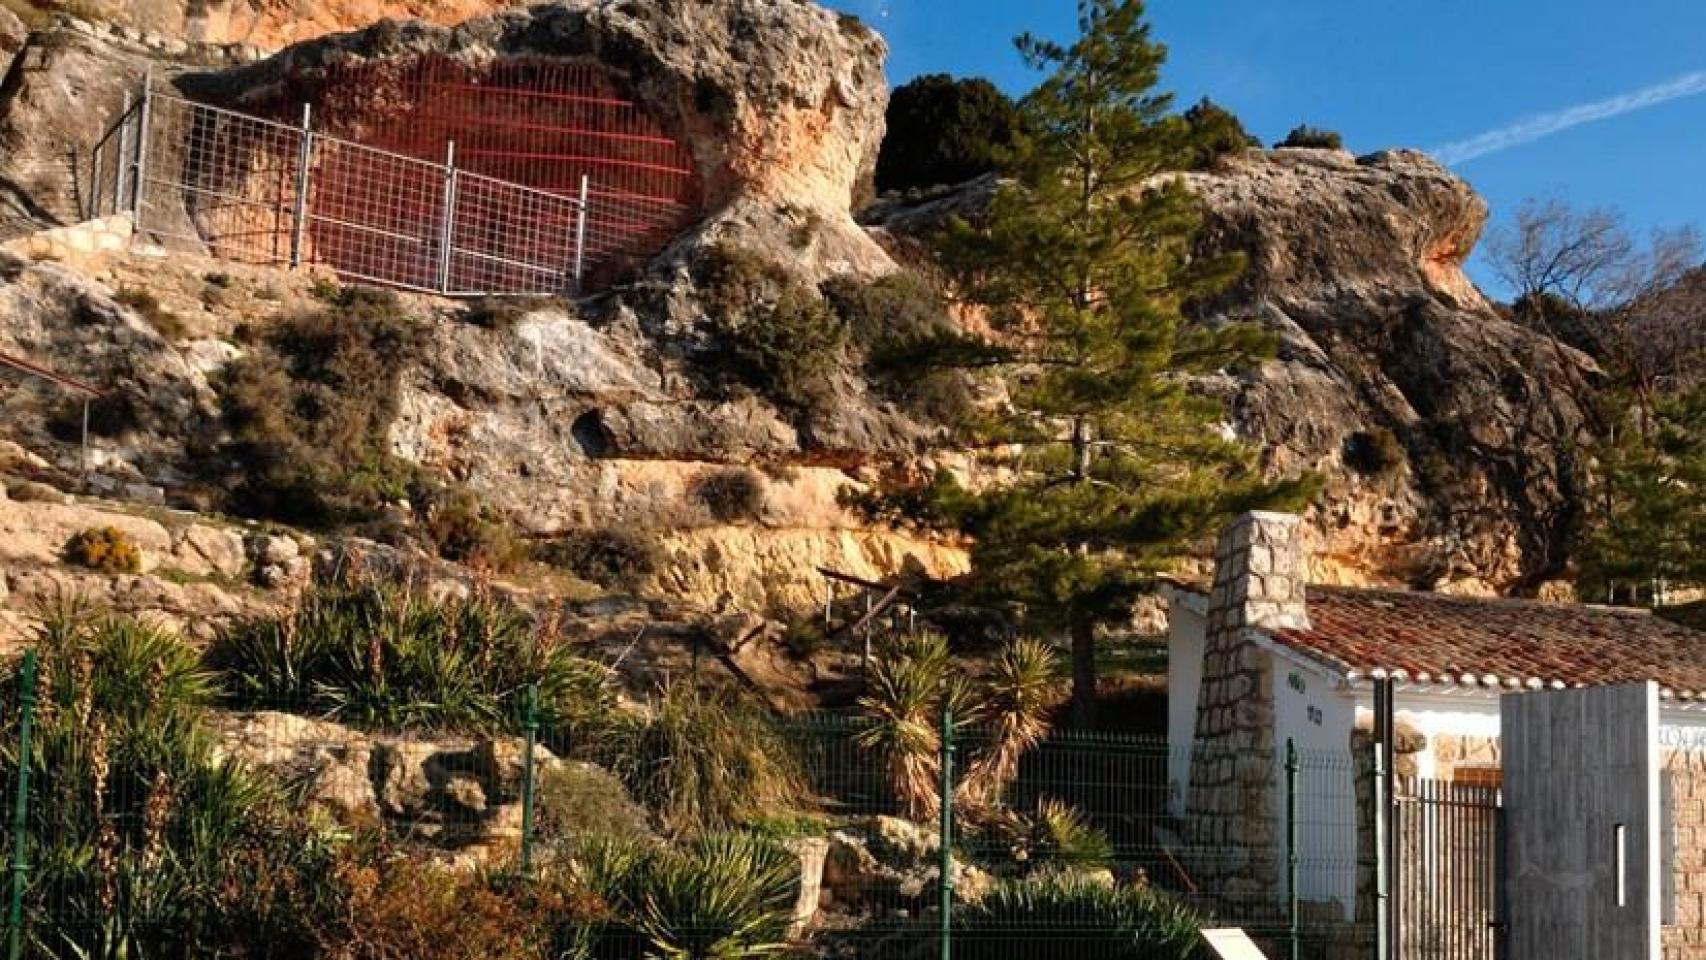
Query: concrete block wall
1234	800
77	240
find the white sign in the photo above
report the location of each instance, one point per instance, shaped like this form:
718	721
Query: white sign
1232	943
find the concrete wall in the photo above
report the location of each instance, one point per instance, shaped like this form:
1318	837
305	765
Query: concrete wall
1186	635
1318	717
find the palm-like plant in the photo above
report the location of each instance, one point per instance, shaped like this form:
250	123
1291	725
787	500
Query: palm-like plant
137	822
911	684
1017	696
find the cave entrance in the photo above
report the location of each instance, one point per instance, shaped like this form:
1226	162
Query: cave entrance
546	125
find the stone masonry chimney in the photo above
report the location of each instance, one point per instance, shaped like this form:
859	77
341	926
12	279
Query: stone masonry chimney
1259	576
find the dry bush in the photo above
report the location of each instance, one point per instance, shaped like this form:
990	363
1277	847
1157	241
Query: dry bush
104	550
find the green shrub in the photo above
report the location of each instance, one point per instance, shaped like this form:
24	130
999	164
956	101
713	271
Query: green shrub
612	557
104	550
732	495
707	760
1215	132
463	530
1373	452
578	800
771	333
1023	920
728	896
914	351
1305	136
379	655
309	410
943	130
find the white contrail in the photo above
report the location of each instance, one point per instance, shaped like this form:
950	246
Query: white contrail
1546	124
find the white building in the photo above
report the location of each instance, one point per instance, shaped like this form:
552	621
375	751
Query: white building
1260	659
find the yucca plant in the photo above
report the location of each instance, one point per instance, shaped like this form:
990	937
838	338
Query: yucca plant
378	654
1017	695
909	685
1065	915
1064	836
722	896
137	824
707	760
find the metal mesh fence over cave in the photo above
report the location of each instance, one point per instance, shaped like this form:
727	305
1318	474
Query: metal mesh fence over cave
464	221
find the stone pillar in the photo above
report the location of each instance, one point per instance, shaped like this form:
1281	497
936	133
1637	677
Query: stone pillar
1234	805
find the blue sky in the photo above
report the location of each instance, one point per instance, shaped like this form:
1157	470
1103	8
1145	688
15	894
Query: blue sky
1389	74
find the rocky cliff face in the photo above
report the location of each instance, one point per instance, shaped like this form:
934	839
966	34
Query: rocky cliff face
1446	432
1443	430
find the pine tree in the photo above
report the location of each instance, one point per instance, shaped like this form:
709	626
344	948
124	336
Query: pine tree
1083	265
1647	518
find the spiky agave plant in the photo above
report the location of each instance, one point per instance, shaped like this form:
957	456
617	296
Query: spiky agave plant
1065	836
722	896
1018	693
1064	915
908	687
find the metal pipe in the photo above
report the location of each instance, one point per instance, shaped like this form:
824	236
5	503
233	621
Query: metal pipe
580	236
21	808
304	157
95	178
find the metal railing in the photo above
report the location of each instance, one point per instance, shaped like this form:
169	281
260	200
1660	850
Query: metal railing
1448	872
248	189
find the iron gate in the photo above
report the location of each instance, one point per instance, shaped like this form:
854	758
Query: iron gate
1447	870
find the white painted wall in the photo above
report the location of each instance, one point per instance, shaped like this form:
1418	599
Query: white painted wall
1186	641
1317	715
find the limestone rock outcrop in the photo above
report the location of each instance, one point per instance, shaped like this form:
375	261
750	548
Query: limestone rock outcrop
1445	430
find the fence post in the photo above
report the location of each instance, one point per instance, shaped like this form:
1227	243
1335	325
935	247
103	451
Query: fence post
21	807
1291	893
299	214
580	234
121	158
1382	879
945	865
530	723
95	179
447	234
139	185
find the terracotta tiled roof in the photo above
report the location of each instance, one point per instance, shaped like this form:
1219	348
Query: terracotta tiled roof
1428	637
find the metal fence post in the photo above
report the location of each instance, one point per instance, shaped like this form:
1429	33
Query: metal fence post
140	177
945	866
1382	878
121	159
1291	767
95	179
580	234
304	157
531	725
447	234
21	808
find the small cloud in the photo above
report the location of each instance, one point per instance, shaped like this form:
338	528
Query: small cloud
1546	124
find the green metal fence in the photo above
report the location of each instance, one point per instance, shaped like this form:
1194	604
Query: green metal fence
139	829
